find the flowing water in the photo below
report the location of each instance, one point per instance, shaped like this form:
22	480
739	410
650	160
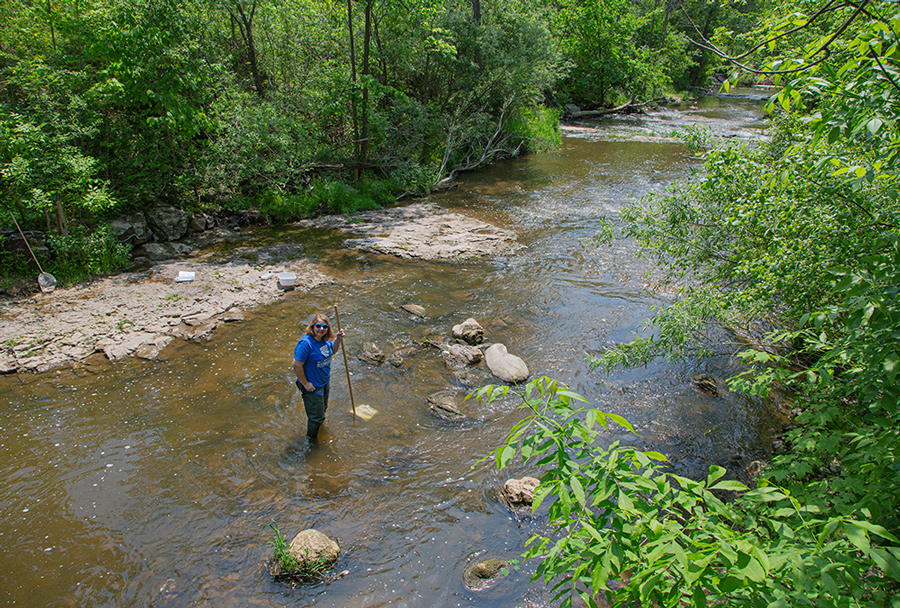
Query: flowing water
152	483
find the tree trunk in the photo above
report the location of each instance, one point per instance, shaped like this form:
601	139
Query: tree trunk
50	21
245	25
355	114
476	17
367	37
380	50
61	223
697	70
665	25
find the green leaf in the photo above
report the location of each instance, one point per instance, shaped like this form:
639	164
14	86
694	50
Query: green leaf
625	501
857	536
656	456
754	571
578	490
730	584
621	421
715	472
732	485
505	455
572	396
874	125
887	562
875	529
830	584
698	598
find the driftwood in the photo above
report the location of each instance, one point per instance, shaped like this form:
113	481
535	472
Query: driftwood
625	107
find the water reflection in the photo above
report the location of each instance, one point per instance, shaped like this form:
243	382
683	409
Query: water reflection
153	483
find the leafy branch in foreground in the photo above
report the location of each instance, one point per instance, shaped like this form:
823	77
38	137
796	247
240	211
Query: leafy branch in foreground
626	531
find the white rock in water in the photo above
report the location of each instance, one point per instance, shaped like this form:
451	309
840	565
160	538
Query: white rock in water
504	366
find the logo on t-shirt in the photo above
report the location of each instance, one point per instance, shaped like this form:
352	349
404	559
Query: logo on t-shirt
325	352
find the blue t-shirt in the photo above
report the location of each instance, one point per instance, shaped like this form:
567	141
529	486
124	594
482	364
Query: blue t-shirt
316	359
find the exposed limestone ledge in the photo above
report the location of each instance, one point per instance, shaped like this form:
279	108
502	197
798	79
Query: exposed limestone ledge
422	231
137	314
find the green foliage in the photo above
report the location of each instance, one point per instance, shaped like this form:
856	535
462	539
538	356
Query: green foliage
697	137
795	245
323	196
258	144
628	532
108	105
616	51
282	551
281	207
85	253
537	127
339	197
40	168
849	96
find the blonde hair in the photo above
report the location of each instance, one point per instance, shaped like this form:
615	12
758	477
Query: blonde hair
320	318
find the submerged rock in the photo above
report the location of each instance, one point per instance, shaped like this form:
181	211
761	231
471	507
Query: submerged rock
414	309
484	574
372	355
472	376
444	405
755	469
458	356
705	384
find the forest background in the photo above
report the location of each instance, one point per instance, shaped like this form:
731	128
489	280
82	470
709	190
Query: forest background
302	107
789	248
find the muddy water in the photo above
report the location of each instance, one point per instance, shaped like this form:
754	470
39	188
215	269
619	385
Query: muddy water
152	483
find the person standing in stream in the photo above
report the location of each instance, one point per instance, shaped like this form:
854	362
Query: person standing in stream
312	365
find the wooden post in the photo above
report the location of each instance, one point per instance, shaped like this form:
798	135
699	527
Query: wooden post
337	319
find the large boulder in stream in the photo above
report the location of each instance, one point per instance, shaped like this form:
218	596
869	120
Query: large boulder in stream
519	493
311	552
469	331
504	366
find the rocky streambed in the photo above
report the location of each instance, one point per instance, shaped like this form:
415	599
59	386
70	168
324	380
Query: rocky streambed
140	313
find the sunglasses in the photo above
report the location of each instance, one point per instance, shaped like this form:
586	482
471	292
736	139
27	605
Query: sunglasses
320	326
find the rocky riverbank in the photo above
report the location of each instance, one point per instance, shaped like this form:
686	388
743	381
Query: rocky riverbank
139	314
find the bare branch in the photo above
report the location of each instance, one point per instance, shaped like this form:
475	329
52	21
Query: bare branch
823	49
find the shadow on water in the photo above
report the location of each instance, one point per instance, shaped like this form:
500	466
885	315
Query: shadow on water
145	483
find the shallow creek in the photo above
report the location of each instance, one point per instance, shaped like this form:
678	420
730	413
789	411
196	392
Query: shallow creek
151	483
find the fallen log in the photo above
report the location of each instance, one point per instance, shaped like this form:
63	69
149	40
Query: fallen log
625	107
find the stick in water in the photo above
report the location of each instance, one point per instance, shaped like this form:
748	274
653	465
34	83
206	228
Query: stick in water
337	319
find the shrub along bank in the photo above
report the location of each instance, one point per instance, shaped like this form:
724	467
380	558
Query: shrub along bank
801	236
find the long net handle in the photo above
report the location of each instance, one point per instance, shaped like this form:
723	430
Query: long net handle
22	234
337	319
